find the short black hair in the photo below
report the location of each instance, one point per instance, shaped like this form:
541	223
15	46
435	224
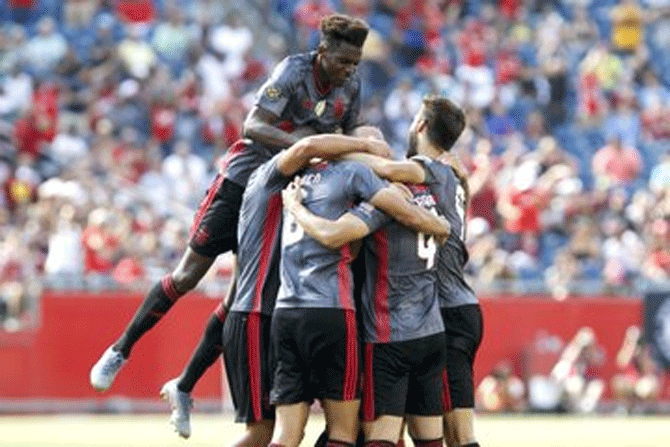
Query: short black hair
340	27
445	121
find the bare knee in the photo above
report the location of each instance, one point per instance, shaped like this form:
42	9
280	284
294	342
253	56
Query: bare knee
190	270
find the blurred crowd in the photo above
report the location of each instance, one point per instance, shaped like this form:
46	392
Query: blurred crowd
114	113
558	376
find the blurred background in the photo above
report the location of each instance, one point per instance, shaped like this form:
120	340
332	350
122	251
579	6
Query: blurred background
113	114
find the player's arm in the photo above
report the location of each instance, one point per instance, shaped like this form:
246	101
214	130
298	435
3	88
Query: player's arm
405	171
232	287
393	202
329	233
326	146
261	126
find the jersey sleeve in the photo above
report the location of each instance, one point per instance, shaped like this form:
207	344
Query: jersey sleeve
371	216
429	167
364	183
275	93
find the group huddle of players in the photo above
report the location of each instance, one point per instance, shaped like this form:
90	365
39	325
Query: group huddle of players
291	328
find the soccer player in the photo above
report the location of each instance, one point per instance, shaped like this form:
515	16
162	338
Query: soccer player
404	350
247	327
317	91
440	123
314	332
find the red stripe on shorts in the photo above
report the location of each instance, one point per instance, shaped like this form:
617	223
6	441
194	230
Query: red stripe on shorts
368	385
220	312
205	204
351	362
446	392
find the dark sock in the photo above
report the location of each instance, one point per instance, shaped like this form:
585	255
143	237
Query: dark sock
431	443
322	439
158	301
273	444
400	443
379	444
334	443
360	440
472	444
208	350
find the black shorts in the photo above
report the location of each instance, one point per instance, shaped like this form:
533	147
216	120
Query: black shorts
249	365
464	330
214	228
317	355
403	378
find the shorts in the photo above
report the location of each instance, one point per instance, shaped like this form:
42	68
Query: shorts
403	378
464	330
317	355
214	228
249	365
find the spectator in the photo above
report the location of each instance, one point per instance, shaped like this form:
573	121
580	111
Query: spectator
137	56
171	39
577	372
232	41
628	21
46	49
637	384
616	164
68	146
501	391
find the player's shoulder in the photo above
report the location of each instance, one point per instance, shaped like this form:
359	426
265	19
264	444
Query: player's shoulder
295	66
437	167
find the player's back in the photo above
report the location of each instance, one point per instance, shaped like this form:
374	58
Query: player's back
258	240
313	275
399	295
452	288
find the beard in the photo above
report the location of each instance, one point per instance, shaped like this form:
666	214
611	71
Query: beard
412	144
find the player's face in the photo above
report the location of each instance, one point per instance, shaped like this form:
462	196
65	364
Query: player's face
340	62
413	143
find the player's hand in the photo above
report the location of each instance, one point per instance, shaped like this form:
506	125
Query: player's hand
292	194
380	148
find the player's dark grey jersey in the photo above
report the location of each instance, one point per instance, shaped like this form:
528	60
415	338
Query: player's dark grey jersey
259	235
452	288
399	294
313	276
294	94
243	157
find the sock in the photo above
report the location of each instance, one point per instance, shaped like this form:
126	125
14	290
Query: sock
472	444
334	443
360	440
432	443
400	443
158	301
208	350
274	444
322	439
379	444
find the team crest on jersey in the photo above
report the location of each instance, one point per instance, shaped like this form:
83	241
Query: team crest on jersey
320	107
272	93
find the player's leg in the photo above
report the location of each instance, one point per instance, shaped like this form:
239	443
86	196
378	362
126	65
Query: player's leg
246	338
290	382
463	334
424	409
336	350
214	231
385	387
290	424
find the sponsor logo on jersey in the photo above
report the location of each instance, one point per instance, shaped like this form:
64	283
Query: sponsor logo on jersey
320	107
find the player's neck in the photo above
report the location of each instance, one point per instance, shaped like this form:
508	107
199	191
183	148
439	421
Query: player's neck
429	151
